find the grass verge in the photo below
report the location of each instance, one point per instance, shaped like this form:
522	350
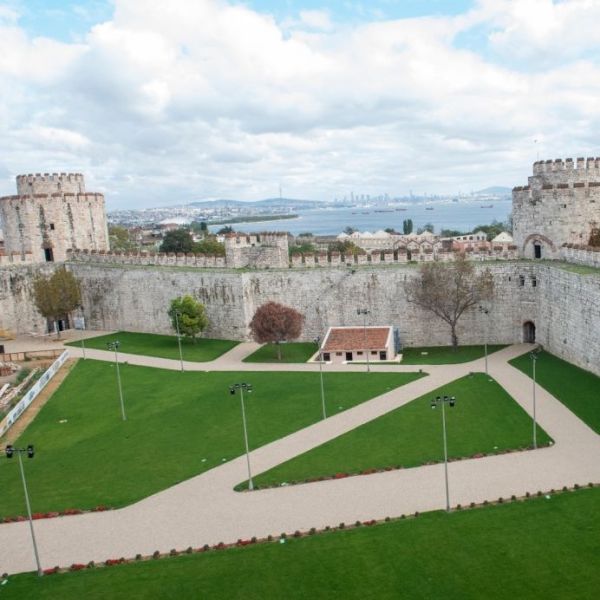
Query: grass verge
162	346
540	548
576	388
445	355
295	352
485	420
178	425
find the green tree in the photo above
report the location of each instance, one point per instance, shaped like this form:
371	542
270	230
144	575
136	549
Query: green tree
407	226
449	289
349	230
225	230
304	248
177	240
56	295
209	245
346	247
191	316
120	239
450	233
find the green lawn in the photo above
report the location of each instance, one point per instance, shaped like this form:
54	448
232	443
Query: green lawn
296	352
485	419
163	346
535	549
576	388
444	355
178	425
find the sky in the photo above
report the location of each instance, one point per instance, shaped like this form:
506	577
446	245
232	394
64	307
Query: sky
162	103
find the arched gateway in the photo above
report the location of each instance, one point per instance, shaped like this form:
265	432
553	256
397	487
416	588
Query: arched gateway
529	332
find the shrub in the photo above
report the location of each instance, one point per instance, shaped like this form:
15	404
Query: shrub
500	500
327	528
513	497
206	547
590	484
189	549
297	533
283	536
269	538
565	488
539	493
576	486
91	564
173	552
527	495
77	567
312	531
342	525
458	507
138	556
156	554
485	502
357	524
416	513
253	539
472	505
387	519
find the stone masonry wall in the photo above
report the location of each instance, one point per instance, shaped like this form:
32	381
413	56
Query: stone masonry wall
560	205
54	212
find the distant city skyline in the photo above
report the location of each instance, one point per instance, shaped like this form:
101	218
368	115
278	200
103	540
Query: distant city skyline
168	103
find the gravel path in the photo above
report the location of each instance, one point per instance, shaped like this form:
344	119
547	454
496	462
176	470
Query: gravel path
205	509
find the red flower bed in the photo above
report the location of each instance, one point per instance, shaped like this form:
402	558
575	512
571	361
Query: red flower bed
76	567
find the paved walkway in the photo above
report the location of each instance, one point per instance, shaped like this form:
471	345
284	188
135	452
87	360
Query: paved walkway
205	509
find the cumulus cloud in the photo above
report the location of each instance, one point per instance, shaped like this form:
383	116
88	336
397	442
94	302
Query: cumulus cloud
167	103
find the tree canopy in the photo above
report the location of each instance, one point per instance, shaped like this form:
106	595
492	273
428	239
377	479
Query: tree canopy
209	245
191	316
275	323
177	240
449	289
120	239
56	295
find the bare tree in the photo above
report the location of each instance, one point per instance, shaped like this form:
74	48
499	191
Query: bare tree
275	323
449	289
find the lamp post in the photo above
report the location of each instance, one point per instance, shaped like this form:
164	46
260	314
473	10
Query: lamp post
10	450
232	390
364	312
451	400
486	312
177	315
83	329
115	346
318	342
534	358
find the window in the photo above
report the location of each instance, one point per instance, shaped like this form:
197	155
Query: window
521	280
51	226
338	354
326	356
48	255
533	282
373	352
359	353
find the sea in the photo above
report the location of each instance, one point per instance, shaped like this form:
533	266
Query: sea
461	216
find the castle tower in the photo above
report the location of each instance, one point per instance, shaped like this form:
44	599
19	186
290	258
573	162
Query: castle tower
51	214
560	205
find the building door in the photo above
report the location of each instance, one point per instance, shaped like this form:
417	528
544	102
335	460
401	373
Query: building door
348	355
382	355
529	332
537	251
48	255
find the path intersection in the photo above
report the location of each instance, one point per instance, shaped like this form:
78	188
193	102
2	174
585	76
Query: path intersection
206	510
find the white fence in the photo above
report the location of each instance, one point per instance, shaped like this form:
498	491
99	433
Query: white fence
31	395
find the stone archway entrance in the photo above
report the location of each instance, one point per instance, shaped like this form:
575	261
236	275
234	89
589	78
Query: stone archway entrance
529	332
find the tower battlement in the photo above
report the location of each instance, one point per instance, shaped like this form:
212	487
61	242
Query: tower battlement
48	183
51	214
560	205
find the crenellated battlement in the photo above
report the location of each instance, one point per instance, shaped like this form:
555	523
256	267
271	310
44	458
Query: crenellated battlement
50	213
569	164
48	183
560	205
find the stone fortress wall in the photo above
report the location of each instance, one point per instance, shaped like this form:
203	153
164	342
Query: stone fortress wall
559	207
132	291
51	214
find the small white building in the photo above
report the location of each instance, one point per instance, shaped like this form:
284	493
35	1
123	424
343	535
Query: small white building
348	344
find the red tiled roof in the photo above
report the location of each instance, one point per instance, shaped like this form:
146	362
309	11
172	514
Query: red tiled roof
353	338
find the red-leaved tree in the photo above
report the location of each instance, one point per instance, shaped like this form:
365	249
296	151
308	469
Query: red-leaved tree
275	323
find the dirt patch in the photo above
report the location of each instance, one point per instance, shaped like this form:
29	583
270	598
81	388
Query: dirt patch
34	408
